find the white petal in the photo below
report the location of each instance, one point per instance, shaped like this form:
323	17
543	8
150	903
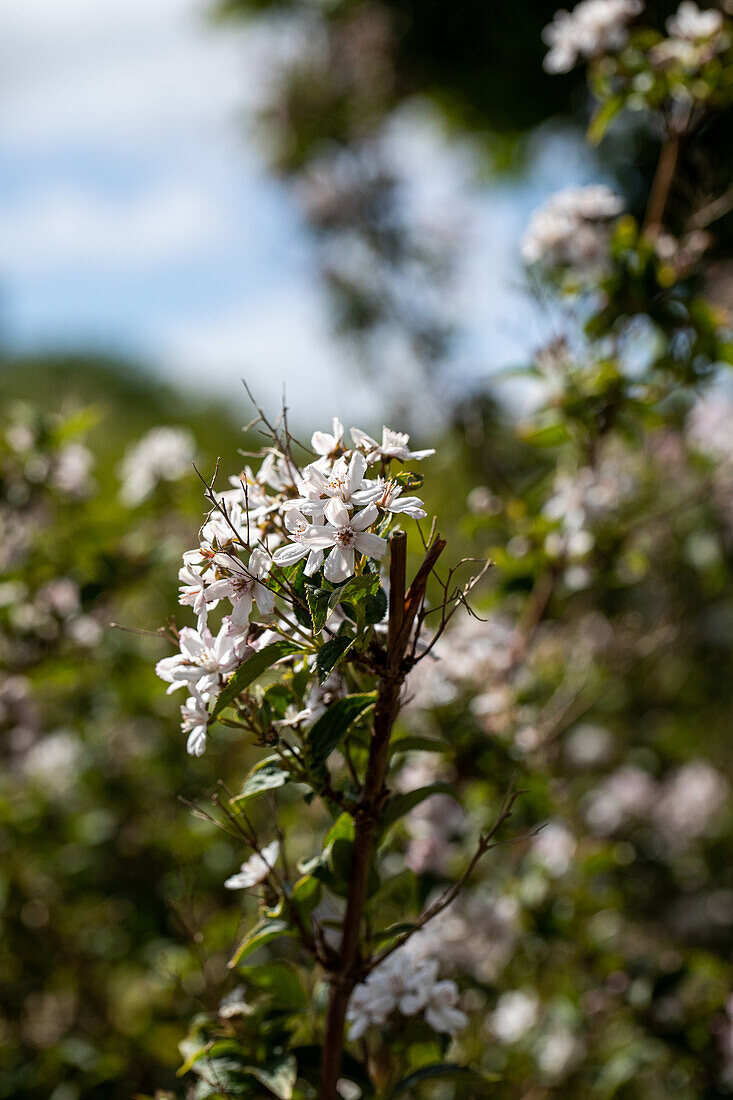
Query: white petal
314	563
365	519
371	545
337	513
264	598
319	538
288	555
339	564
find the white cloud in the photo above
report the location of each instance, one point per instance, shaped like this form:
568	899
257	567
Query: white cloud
60	230
113	71
284	341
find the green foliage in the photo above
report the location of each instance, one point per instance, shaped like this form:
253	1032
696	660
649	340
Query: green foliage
331	728
251	670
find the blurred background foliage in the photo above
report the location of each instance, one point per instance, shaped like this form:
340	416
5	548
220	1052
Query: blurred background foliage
115	922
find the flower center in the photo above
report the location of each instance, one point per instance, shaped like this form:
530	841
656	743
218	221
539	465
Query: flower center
345	536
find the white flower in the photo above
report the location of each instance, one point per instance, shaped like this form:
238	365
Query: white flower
571	228
192	589
689	800
164	454
348	1090
392	500
627	793
326	443
72	470
297	526
60	595
393	445
277	471
554	848
227	523
243	586
441	1011
345	534
255	869
408	983
202	660
593	27
369	1006
693	24
345	482
235	1004
556	1051
515	1013
194	721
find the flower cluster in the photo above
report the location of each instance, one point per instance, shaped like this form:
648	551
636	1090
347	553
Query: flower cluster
592	28
406	983
164	454
571	230
681	809
329	515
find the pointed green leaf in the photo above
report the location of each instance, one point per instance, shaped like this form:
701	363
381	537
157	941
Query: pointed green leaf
280	980
263	932
318	605
400	804
332	726
330	654
250	671
443	1072
602	117
268	775
417	744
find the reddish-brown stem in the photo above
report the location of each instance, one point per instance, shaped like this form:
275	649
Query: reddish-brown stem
666	168
402	611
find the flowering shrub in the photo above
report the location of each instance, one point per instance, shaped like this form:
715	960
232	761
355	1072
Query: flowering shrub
309	659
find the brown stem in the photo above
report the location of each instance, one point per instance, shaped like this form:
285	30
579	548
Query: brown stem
402	611
662	182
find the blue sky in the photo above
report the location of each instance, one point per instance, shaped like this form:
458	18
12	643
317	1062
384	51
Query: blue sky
136	217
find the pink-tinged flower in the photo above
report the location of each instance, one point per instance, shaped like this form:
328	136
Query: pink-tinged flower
256	869
345	534
202	660
294	551
393	445
243	585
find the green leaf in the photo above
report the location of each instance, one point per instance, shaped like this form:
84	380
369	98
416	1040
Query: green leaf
265	776
445	1071
602	117
278	979
250	671
417	744
355	589
342	829
375	607
306	893
400	804
278	1076
330	654
263	932
332	726
318	605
